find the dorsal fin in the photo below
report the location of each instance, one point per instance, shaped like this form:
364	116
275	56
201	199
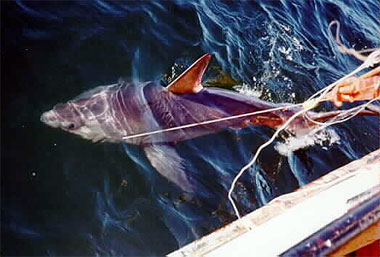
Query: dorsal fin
190	80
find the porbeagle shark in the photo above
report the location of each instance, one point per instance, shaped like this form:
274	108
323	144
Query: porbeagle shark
110	113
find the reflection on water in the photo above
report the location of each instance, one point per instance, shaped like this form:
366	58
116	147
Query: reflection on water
62	195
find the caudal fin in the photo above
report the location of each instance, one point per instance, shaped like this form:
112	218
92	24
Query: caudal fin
371	110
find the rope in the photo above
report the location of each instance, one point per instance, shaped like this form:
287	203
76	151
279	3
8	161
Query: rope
309	104
351	113
191	125
253	160
343	49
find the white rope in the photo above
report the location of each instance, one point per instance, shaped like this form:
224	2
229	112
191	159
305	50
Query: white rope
343	49
253	160
351	113
309	104
191	125
371	60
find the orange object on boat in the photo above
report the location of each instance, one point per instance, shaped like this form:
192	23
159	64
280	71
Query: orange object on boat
365	87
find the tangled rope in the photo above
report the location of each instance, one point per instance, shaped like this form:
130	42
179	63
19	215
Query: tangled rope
313	101
345	50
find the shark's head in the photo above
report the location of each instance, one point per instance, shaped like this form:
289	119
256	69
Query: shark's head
82	115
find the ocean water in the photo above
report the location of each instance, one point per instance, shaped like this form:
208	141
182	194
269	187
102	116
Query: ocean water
63	195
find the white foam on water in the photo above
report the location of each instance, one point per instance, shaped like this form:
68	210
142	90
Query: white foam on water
246	89
324	138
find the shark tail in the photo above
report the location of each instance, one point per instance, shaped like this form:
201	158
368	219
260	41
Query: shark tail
370	110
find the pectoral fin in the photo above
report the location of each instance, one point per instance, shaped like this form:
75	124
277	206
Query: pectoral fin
190	80
169	164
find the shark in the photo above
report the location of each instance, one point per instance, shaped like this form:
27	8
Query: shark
114	112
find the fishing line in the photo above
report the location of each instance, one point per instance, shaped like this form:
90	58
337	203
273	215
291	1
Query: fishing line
309	104
305	104
343	49
350	114
253	160
206	122
371	60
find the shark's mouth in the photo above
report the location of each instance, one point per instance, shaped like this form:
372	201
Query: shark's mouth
88	134
98	138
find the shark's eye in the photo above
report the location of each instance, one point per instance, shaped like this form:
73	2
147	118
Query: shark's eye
71	126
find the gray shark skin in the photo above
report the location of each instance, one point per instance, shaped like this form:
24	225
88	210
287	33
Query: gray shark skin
109	113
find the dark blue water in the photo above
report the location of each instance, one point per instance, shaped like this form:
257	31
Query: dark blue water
62	195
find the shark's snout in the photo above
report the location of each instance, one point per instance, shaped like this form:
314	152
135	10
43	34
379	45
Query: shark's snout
50	118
